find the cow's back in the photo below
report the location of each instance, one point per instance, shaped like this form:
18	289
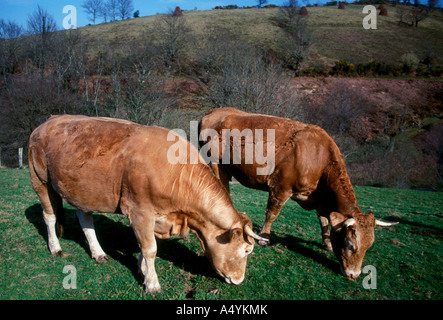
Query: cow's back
302	151
85	159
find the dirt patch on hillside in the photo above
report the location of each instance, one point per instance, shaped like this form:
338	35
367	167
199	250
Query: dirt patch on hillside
424	97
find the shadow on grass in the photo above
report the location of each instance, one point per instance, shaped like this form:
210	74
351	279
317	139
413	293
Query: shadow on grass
432	230
309	249
119	242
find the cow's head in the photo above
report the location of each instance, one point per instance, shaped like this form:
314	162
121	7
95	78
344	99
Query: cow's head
228	251
350	238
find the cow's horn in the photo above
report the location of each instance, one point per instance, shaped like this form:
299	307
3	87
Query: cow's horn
252	234
385	224
349	222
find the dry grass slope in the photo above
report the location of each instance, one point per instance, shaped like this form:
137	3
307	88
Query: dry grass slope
338	34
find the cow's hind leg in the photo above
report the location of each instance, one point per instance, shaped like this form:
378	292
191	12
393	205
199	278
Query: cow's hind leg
51	203
87	223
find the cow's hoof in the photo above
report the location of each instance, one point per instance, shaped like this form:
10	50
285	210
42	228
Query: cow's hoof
328	247
153	289
60	254
101	259
264	243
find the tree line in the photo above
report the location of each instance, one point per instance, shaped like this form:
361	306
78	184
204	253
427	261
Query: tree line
108	10
44	72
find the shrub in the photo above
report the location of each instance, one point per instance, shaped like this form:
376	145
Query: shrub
409	62
228	7
377	68
177	12
304	12
383	10
436	71
316	70
342	67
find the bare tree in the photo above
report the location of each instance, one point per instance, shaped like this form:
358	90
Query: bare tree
27	102
10	29
288	12
171	36
67	49
412	15
93	9
247	83
145	98
111	7
41	22
42	25
261	3
10	46
104	12
125	8
432	3
297	42
419	14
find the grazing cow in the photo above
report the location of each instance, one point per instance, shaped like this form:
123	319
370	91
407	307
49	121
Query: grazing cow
308	168
116	166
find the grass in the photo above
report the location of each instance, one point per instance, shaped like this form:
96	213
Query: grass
407	257
338	34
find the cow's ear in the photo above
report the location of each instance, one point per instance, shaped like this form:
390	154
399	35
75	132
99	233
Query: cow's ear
371	217
336	218
236	233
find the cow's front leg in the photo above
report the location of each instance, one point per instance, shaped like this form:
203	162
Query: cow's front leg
143	227
87	224
325	233
275	203
147	268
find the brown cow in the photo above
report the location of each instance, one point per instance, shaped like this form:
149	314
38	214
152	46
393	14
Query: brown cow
308	168
116	166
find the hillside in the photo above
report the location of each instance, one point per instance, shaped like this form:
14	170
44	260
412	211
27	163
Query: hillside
338	34
366	88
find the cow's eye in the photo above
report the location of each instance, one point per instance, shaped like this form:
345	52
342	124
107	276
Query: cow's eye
350	245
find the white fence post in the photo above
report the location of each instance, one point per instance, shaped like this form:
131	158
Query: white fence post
20	157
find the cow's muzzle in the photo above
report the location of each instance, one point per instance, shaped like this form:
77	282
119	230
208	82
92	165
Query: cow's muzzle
236	282
350	274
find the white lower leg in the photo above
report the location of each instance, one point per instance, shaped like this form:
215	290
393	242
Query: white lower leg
53	243
87	224
147	267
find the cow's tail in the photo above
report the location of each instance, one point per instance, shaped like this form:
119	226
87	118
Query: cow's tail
40	178
200	143
60	216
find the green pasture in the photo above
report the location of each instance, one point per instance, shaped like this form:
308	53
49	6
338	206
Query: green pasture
407	257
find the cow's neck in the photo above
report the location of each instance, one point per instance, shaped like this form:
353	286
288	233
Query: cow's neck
205	200
341	189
